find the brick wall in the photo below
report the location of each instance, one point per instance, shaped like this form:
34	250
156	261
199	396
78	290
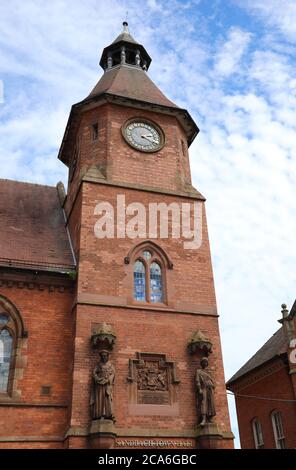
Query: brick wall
46	355
273	381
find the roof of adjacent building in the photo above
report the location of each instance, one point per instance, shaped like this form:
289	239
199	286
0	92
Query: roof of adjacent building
32	230
274	347
130	82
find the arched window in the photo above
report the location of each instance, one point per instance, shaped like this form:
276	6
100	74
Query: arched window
257	434
11	332
278	432
139	281
6	341
149	274
6	350
150	264
156	291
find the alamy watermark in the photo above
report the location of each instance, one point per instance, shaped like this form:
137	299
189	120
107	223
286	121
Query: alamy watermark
158	220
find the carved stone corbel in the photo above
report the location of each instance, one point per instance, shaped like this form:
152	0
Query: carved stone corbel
200	343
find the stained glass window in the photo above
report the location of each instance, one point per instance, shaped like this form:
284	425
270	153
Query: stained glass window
155	283
5	358
139	281
3	318
147	255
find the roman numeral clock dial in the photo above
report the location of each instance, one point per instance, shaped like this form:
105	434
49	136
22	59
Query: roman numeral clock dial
143	135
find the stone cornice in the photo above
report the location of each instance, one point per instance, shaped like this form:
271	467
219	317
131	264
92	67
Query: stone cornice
135	432
95	177
158	308
29	279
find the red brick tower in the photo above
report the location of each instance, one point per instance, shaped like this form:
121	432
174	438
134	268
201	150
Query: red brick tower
145	298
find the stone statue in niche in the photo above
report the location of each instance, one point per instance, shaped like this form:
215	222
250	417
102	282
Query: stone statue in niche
205	394
102	388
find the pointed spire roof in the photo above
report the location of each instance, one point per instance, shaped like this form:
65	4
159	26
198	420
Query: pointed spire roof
125	35
130	82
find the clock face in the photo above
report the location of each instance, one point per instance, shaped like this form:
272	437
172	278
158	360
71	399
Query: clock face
143	135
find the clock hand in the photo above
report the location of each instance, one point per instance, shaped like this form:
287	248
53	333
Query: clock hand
150	140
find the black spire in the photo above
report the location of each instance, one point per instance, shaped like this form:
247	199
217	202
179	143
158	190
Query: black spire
125	51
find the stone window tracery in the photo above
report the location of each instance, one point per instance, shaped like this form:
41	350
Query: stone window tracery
148	278
11	334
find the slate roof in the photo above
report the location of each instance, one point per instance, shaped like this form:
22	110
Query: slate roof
32	228
130	82
275	346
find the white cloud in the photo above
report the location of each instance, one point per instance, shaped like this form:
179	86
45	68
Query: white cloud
279	14
241	93
229	55
154	5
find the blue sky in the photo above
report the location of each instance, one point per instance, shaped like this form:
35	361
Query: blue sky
232	65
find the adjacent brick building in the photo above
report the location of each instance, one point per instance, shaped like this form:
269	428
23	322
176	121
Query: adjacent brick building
63	289
265	391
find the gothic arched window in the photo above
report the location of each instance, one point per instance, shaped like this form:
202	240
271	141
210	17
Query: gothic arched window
7	335
139	281
156	284
149	276
11	334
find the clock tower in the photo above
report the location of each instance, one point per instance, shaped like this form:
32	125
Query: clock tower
147	365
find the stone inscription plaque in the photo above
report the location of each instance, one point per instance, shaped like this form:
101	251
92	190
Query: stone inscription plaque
153	398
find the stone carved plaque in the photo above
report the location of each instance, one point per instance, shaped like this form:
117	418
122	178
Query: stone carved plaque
152	378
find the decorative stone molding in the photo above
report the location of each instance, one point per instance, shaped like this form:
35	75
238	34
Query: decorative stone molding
102	434
152	378
103	337
209	436
35	282
146	244
200	343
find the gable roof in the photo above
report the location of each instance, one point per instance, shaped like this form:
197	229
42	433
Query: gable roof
32	228
275	346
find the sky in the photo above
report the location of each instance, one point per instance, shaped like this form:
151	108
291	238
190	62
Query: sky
231	63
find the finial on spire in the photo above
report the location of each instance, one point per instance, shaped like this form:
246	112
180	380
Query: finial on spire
125	27
285	311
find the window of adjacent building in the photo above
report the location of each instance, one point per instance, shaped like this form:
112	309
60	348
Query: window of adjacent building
148	278
278	432
6	348
257	433
95	131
